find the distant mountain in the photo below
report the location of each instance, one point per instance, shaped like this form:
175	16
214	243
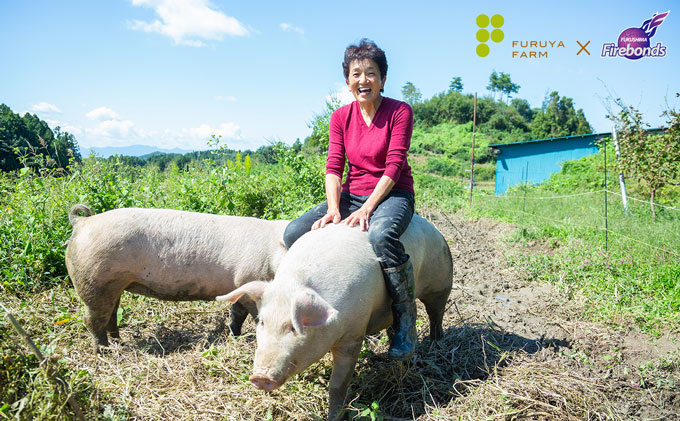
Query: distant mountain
133	150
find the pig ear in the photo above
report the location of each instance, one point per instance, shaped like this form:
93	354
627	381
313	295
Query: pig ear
254	290
309	309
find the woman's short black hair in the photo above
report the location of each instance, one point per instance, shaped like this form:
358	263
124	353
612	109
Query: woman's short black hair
365	49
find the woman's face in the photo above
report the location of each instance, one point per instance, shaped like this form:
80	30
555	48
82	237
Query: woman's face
364	80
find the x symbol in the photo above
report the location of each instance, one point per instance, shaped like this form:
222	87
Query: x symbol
583	48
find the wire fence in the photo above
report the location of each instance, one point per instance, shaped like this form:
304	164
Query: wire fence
593	213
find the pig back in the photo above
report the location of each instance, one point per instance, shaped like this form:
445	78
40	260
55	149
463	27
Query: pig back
430	255
339	263
173	254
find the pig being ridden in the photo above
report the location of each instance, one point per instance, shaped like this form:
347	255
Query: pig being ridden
328	293
166	254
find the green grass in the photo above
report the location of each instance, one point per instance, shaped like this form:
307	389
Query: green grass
629	275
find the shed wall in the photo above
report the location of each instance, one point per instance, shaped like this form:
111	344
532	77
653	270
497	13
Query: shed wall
535	162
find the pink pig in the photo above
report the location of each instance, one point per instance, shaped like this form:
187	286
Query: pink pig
169	255
328	293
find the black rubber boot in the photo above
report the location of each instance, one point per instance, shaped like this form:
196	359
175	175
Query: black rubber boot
401	288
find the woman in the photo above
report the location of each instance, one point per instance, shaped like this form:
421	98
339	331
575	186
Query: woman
374	133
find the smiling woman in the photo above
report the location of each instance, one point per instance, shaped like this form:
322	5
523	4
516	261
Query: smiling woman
373	133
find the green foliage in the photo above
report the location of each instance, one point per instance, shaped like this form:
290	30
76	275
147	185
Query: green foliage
318	141
454	141
368	412
452	107
434	192
28	141
443	166
587	174
31	234
497	120
456	84
582	175
25	384
523	108
411	94
558	118
654	158
503	84
485	172
305	186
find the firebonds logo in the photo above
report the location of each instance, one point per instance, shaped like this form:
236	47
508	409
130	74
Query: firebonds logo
634	43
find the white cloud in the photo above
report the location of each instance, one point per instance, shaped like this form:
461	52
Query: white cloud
286	27
227	98
112	129
124	133
65	127
342	93
102	113
45	107
188	22
204	131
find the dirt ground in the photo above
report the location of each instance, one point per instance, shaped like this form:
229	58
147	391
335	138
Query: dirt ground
512	348
546	326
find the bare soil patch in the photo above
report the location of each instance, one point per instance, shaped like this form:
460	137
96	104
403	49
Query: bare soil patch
614	374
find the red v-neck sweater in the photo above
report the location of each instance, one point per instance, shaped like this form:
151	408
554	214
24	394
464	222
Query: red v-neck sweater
373	151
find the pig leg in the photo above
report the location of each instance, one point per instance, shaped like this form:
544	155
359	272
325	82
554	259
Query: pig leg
112	326
238	316
101	306
345	357
435	304
96	319
239	312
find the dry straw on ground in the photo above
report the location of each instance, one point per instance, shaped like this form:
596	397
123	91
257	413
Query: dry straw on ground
499	359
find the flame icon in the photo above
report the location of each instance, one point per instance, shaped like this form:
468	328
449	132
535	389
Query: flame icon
650	25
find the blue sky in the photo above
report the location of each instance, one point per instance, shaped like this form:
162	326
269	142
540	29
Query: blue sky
169	73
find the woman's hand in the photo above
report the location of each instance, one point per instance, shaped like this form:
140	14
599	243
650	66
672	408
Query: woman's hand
330	216
361	217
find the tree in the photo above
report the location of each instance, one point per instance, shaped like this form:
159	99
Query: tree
558	118
654	158
318	140
65	147
456	84
31	138
523	108
411	94
501	82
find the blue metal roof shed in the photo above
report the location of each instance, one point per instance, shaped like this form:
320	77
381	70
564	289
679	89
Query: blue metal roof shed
534	161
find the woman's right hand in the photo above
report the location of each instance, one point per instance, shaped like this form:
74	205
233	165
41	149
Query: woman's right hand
330	216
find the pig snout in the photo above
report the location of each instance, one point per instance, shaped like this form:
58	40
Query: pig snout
263	382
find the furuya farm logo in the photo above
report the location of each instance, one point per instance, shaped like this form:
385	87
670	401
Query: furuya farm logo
634	43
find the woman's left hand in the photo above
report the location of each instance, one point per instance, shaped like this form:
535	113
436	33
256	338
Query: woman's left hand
360	217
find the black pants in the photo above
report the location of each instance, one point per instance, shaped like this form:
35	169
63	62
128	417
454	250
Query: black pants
388	221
